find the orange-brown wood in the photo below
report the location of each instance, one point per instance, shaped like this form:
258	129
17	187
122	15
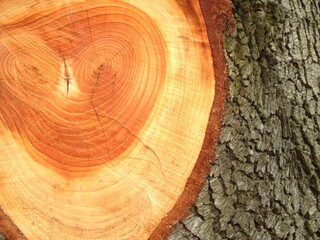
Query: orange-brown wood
105	111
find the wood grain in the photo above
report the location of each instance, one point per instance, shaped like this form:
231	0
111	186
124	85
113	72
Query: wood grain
104	108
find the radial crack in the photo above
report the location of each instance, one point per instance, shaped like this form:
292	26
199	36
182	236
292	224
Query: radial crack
94	109
94	48
140	140
67	77
119	123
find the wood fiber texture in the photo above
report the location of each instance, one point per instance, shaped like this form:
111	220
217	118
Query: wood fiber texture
265	181
109	114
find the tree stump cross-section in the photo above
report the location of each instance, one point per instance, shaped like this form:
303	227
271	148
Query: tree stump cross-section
109	112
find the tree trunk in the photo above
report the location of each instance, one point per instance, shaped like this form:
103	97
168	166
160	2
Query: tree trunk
109	114
264	183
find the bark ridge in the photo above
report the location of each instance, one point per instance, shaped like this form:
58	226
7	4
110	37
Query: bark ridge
265	183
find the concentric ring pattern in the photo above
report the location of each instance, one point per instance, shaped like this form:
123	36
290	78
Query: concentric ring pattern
107	69
104	106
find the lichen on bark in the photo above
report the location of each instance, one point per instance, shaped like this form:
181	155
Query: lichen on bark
264	183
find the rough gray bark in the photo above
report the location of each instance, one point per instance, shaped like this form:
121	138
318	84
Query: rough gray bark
264	183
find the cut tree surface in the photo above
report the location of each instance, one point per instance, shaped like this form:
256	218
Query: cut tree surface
104	115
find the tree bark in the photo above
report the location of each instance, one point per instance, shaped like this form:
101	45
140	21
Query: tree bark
264	183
